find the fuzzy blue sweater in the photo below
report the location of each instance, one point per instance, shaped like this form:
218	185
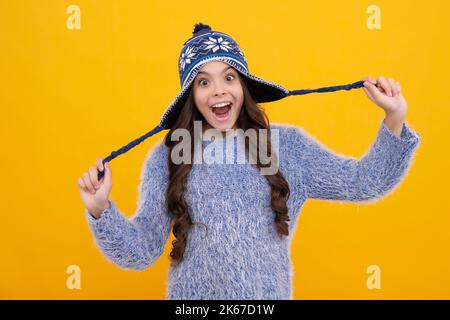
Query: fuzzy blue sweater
240	255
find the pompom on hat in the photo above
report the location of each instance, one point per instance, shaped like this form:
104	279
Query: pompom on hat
207	45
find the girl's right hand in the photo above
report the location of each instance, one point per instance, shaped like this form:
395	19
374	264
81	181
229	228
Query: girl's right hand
94	193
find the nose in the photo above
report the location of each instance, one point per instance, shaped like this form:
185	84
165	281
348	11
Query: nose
219	92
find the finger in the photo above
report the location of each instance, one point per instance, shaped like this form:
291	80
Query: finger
87	181
375	93
368	93
100	166
385	85
81	184
99	163
108	174
393	86
372	80
369	79
93	174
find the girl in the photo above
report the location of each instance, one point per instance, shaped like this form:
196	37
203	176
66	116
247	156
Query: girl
233	225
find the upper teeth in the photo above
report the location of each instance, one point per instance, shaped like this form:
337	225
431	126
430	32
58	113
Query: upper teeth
223	104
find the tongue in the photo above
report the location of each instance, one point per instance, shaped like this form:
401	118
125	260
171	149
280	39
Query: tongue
221	110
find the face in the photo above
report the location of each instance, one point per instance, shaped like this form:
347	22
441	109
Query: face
216	83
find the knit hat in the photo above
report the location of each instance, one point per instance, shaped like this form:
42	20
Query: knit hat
207	45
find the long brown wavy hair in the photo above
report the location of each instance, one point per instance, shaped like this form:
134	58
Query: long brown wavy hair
250	116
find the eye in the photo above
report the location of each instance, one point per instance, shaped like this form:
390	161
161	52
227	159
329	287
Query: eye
230	75
200	82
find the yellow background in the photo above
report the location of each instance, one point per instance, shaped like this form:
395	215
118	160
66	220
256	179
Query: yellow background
69	96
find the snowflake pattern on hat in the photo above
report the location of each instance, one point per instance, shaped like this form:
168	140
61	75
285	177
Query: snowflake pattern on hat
205	46
186	57
216	44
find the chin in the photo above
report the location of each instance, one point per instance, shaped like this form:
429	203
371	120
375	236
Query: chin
224	127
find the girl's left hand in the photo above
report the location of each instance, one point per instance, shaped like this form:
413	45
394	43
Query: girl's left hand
386	93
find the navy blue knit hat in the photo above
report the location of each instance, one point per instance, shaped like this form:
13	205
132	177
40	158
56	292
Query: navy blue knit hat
204	46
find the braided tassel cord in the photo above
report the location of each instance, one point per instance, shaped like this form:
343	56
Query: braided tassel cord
124	149
355	85
114	154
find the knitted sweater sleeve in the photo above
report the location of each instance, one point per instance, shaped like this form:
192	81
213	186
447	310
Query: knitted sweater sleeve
135	243
330	176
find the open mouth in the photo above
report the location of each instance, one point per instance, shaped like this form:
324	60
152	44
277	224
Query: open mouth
222	113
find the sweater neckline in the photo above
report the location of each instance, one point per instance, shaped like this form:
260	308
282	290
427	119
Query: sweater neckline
232	135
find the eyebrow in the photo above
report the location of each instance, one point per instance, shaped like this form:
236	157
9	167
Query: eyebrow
224	70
